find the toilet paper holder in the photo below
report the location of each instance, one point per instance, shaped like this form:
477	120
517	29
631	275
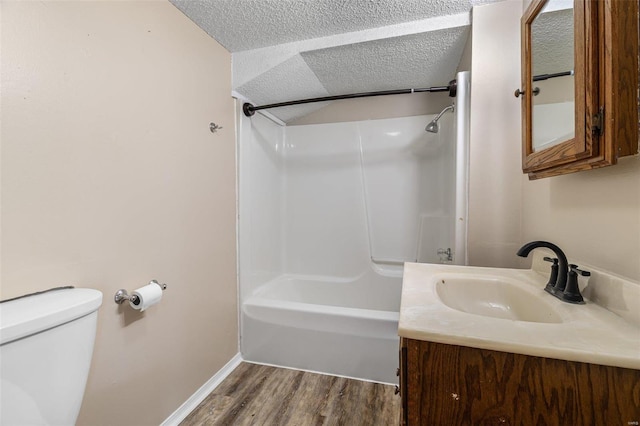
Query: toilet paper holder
122	295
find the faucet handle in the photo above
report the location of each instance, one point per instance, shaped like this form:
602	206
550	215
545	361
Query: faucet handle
571	293
553	278
574	268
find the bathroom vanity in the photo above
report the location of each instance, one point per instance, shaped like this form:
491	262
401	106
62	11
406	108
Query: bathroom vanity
452	384
489	346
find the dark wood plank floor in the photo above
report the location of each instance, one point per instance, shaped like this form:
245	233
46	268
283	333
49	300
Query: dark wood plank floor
261	395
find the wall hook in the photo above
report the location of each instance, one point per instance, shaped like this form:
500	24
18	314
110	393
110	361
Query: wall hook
214	127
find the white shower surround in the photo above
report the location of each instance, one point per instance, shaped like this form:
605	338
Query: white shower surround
312	200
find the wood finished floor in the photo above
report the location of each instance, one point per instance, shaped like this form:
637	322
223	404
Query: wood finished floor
261	395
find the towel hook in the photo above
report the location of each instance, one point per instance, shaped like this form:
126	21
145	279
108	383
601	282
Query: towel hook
214	127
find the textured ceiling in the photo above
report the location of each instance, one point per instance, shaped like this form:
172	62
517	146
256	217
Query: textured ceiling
276	85
295	49
417	60
250	24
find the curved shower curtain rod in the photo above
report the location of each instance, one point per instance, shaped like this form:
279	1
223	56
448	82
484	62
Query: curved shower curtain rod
250	109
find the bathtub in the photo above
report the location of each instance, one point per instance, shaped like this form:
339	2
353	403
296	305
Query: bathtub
336	326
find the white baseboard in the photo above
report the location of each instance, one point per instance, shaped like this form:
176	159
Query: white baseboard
194	400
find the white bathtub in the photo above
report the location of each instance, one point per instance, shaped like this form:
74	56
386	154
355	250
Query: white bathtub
342	327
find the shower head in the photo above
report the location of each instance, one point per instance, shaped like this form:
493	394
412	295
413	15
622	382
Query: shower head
433	126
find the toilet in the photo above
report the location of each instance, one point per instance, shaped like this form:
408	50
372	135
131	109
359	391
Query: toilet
46	344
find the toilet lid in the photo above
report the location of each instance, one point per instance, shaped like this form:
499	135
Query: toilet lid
28	315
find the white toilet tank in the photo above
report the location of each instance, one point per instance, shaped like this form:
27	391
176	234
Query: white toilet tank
46	343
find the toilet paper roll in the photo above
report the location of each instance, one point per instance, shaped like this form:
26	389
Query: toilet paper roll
148	296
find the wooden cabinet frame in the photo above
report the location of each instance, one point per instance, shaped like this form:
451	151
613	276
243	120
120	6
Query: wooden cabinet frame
606	84
444	384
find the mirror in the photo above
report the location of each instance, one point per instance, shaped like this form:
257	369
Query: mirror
579	85
552	65
560	82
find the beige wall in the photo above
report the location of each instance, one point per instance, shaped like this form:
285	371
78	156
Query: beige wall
594	216
495	171
111	177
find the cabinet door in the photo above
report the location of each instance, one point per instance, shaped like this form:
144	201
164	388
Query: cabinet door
459	385
587	119
403	382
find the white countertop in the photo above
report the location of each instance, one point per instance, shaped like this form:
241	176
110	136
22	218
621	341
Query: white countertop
588	333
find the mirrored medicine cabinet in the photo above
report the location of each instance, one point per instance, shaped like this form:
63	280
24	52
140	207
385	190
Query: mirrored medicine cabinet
579	85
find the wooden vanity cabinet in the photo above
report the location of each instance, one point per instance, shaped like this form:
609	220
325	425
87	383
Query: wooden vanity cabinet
443	384
605	90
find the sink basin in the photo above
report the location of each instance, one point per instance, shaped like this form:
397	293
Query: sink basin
495	297
508	310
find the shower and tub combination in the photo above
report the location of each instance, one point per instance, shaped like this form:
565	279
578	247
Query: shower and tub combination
328	215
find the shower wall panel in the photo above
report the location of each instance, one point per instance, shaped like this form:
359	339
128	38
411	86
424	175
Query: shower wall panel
408	185
438	187
261	201
324	215
326	200
380	190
